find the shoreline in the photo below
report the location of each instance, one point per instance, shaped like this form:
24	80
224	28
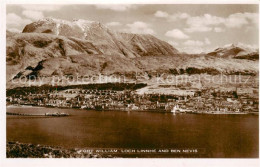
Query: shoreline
27	150
24	106
15	149
126	110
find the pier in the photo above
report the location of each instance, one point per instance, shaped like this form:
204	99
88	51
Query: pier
46	114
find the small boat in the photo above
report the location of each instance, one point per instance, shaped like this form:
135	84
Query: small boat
174	109
185	110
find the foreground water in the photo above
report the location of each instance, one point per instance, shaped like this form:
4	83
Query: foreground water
230	136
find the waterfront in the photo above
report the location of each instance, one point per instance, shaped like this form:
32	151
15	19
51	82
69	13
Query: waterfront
111	97
227	136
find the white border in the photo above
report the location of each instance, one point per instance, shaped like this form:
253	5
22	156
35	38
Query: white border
2	82
101	162
132	2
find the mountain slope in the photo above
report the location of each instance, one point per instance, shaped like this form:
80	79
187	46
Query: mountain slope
47	55
107	41
52	47
237	51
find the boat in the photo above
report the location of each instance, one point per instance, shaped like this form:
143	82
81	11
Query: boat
174	109
185	110
177	109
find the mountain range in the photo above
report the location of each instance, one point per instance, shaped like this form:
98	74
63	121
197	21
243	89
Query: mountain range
51	47
237	51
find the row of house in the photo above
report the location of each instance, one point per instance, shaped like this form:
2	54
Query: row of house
203	100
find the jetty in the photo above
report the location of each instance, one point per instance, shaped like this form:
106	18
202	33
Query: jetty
57	114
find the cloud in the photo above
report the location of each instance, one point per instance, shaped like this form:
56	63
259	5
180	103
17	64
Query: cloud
42	7
173	17
218	29
178	16
183	15
34	15
236	21
118	8
177	34
193	43
198	28
253	17
14	30
111	24
139	27
250	46
195	49
207	41
203	23
35	12
206	19
173	43
197	43
191	49
193	46
161	14
13	19
208	22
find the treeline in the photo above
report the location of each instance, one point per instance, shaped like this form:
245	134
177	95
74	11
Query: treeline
50	88
162	98
210	71
193	70
242	73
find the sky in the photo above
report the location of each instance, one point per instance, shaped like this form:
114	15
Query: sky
190	28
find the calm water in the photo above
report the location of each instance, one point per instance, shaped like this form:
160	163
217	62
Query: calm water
220	135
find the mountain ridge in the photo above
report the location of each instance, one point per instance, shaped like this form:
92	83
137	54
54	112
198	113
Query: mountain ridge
237	51
89	48
108	41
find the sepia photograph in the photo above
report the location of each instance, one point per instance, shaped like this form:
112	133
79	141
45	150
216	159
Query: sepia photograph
132	81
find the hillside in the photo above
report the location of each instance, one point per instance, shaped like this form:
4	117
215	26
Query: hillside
51	47
107	41
237	51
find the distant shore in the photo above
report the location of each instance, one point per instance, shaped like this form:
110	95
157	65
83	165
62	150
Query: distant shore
129	110
23	106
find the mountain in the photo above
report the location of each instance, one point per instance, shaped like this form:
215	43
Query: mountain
52	47
237	51
47	55
107	41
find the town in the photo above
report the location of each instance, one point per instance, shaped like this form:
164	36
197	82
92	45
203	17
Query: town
211	101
